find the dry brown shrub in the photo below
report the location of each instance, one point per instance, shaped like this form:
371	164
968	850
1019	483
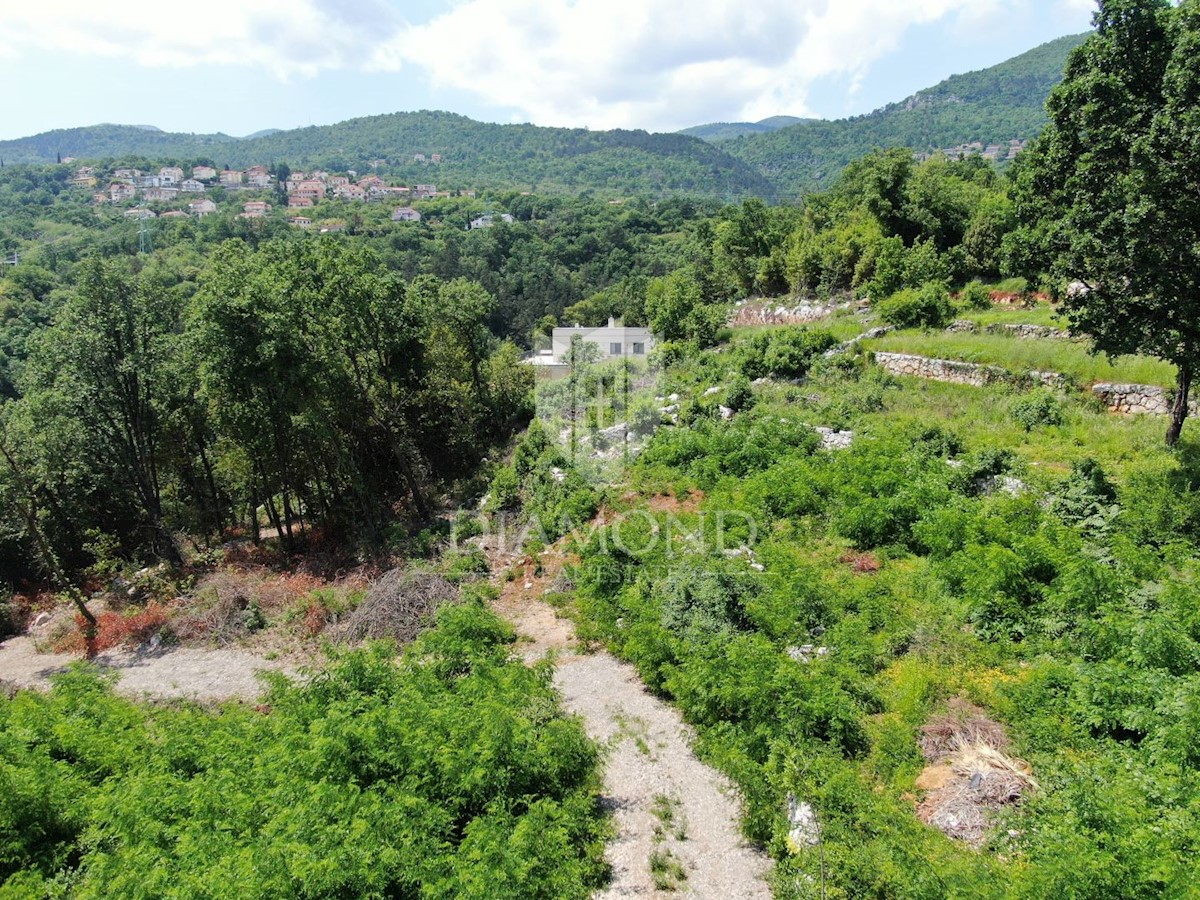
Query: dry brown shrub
398	605
984	777
220	603
863	563
115	629
962	725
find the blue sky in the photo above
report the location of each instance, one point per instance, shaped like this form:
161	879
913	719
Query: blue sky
238	66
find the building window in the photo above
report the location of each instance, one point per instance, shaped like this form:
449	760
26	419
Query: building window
639	349
614	349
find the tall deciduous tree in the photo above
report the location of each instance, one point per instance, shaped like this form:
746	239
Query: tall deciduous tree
1110	195
105	365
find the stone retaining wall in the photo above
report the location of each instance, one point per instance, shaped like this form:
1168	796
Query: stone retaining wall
1149	399
940	369
1027	332
957	372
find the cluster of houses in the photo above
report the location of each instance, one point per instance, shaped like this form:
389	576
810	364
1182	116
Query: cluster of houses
303	190
994	152
165	185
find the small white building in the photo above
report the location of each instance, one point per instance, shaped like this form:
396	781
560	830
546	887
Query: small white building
192	186
204	173
489	220
169	176
405	214
611	341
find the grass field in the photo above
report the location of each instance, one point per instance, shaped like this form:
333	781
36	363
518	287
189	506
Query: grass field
1074	359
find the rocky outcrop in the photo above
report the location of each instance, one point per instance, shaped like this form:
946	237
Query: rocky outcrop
761	312
834	440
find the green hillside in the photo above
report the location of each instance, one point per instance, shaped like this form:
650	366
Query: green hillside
549	160
715	132
777	158
995	105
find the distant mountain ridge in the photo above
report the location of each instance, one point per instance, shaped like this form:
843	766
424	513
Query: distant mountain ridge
777	158
715	132
992	106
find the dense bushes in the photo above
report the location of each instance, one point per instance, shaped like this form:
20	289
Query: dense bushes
448	776
818	608
782	352
928	307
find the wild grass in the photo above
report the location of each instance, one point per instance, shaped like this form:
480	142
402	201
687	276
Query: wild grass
1039	314
1070	358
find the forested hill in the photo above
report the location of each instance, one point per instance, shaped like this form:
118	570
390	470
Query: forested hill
992	106
111	141
473	154
715	132
736	160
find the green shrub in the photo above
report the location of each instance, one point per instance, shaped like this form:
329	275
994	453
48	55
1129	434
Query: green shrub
644	416
1037	409
739	396
928	307
505	490
452	775
8	617
466	525
976	296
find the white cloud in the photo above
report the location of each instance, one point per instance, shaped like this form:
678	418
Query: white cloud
284	37
657	63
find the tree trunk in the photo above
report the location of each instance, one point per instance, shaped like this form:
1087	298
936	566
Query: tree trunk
1179	408
49	558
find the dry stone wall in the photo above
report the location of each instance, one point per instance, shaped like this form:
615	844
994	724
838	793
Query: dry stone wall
1149	399
940	369
957	372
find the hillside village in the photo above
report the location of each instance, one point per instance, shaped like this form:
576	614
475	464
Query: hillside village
185	193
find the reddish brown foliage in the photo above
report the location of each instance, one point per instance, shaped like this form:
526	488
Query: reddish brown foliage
863	563
115	629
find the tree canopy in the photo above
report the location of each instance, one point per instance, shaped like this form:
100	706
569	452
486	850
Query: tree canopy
1109	194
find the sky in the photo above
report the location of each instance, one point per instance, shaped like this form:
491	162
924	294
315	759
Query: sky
239	66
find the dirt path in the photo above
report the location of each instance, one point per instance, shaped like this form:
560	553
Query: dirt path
670	810
165	673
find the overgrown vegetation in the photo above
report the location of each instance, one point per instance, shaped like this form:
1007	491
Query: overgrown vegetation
450	774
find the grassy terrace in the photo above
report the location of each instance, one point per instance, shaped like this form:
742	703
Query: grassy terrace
983	417
1068	357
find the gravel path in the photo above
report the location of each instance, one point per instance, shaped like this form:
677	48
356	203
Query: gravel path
650	775
667	805
166	673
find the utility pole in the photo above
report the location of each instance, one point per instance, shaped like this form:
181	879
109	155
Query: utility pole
144	245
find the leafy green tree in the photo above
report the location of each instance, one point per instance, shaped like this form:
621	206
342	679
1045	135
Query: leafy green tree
106	366
1109	195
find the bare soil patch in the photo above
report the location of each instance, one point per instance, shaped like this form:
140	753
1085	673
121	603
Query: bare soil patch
159	673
